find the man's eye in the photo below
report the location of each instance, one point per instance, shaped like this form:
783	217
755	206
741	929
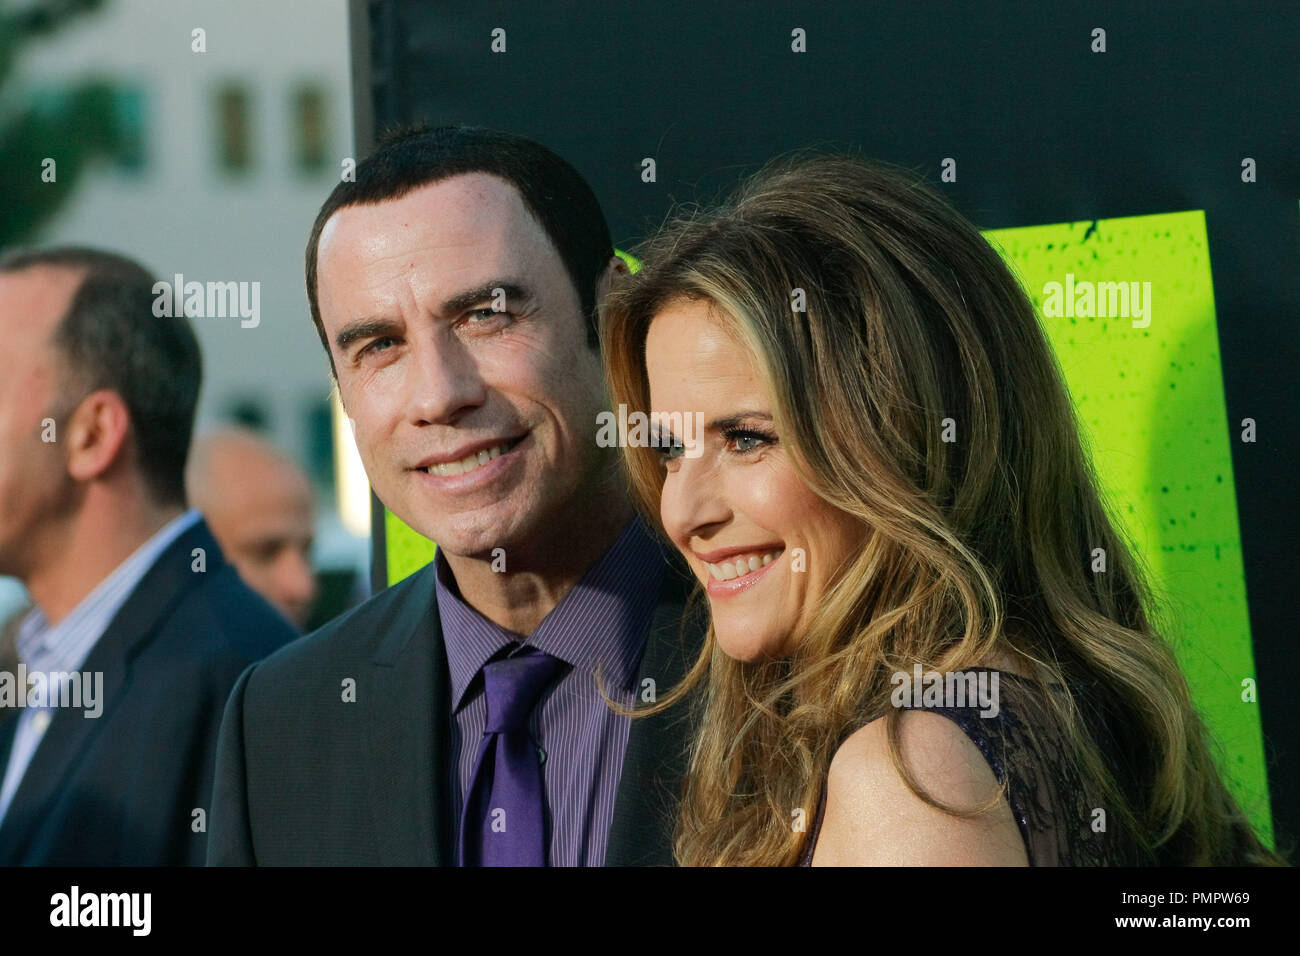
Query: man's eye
486	315
378	345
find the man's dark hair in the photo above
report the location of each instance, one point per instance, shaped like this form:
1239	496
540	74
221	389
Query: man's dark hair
552	190
110	338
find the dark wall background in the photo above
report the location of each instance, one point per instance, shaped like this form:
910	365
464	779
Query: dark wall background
1043	130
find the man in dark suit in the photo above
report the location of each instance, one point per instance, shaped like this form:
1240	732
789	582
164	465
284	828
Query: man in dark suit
458	717
109	720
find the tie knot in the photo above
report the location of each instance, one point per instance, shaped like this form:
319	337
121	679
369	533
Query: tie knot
513	685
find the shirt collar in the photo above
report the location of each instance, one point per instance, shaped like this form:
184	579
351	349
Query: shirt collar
601	623
65	646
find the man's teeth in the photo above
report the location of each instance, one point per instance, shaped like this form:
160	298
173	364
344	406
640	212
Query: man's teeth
470	462
741	564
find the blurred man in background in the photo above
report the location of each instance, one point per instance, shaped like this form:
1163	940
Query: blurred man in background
258	503
9	625
109	727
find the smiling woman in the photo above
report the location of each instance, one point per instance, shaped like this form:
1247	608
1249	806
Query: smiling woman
892	478
738	510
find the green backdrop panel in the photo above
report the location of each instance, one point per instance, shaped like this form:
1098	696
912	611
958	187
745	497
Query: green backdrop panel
1151	405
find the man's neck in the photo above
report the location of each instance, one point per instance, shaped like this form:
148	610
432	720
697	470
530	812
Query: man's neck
95	542
539	575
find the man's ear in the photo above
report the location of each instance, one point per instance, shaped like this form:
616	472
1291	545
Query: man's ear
95	434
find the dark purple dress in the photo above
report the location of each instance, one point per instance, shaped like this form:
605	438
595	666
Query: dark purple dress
1054	810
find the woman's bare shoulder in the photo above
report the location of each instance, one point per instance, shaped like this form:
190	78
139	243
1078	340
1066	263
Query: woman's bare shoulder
872	818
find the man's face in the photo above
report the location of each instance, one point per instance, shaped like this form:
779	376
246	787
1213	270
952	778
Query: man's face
259	507
34	484
430	374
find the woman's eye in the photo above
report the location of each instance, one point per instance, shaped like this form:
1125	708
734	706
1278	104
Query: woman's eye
671	452
746	441
667	449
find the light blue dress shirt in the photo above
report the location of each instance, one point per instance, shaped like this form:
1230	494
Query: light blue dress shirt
66	646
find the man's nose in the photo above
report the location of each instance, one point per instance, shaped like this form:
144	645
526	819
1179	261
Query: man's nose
294	582
443	380
299	579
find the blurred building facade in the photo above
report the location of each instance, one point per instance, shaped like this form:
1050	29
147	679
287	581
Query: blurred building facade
237	123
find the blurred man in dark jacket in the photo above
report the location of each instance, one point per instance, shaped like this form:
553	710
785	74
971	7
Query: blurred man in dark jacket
108	722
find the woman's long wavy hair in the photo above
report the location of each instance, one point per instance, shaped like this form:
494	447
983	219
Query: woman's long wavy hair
912	325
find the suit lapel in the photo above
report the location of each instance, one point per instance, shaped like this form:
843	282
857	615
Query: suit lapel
409	735
71	732
8	724
655	760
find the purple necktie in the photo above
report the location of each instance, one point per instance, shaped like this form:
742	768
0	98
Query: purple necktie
504	821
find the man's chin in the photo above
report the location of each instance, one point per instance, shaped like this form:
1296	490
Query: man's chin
475	539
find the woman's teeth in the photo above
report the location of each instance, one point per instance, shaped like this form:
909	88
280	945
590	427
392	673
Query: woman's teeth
471	462
741	564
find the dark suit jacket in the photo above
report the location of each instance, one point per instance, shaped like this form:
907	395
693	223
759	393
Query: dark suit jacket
305	778
121	788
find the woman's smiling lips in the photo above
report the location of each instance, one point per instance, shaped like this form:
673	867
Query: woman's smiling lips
733	570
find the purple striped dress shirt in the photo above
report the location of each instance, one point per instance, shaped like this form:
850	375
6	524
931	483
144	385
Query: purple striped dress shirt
601	624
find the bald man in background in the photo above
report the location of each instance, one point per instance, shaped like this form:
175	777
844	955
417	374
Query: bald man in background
258	503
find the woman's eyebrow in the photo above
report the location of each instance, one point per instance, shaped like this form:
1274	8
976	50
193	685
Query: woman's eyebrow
736	420
660	436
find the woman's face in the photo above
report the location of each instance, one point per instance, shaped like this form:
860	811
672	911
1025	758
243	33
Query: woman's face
764	544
